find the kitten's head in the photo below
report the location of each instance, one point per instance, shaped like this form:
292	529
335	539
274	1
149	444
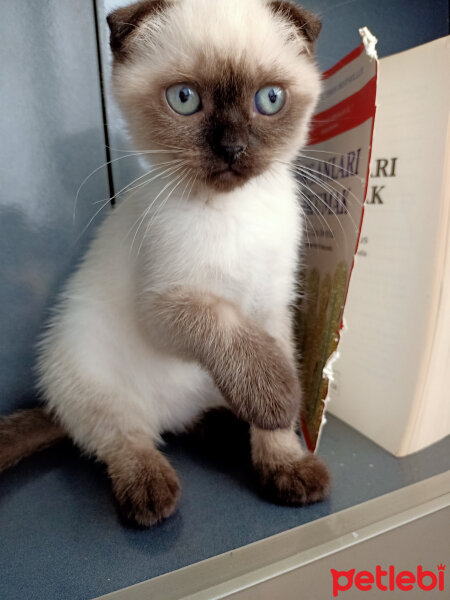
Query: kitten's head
228	85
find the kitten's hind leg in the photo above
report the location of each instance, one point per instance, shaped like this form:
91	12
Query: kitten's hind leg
114	427
286	473
145	485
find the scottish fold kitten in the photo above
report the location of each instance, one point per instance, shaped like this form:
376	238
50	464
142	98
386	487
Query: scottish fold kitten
182	303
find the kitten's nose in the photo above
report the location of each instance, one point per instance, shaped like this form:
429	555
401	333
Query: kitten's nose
230	153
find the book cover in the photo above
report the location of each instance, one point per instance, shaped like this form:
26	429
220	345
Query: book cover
333	172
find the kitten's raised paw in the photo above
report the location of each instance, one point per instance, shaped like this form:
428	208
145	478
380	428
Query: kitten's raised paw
301	481
146	488
260	383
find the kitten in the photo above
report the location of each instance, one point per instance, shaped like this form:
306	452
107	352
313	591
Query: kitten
182	303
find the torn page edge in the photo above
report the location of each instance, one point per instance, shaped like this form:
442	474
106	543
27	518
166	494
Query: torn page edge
370	42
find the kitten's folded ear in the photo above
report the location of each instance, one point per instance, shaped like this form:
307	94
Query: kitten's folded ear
123	21
308	25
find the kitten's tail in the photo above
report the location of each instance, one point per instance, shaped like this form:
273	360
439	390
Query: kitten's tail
27	432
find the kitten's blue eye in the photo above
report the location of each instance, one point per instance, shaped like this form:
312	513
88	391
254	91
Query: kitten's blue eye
183	99
270	100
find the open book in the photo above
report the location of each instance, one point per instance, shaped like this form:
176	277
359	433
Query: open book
388	377
391	377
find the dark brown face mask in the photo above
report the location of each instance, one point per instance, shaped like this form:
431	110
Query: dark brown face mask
234	141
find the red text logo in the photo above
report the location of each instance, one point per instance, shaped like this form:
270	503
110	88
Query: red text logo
388	580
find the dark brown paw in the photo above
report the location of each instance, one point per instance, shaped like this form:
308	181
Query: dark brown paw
297	482
146	488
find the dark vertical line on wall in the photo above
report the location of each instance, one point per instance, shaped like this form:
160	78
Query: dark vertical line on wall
103	101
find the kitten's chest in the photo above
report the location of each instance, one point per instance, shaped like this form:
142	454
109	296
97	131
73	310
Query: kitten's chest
246	252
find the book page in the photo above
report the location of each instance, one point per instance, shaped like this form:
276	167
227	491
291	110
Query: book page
393	296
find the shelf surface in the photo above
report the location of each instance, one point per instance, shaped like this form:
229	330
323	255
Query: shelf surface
61	537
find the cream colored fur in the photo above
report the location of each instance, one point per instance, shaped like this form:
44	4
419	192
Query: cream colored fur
99	371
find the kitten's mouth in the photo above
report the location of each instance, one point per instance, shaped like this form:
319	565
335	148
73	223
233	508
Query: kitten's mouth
228	170
228	174
226	179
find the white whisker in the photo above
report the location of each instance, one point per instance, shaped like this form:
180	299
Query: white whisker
317	211
91	220
321	152
128	187
330	190
178	181
338	183
325	162
140	220
130	154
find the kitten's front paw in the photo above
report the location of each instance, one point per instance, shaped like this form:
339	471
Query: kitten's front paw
274	399
146	489
301	481
262	387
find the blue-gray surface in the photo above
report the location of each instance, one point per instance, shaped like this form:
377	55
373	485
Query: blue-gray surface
61	538
52	137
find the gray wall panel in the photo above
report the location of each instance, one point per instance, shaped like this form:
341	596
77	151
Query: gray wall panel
51	138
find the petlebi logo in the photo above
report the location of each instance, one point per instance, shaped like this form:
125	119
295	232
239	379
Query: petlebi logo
388	580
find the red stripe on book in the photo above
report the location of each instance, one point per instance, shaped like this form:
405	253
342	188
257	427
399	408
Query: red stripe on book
345	115
309	444
344	62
